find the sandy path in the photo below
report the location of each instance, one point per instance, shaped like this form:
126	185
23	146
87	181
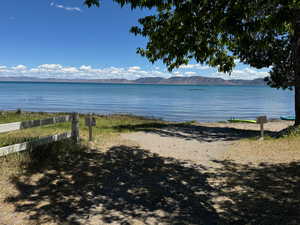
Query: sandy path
186	150
205	142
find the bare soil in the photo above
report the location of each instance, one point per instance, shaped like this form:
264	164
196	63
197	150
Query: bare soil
208	173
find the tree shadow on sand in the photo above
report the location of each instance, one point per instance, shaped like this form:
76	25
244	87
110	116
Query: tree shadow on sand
195	132
264	194
127	184
120	184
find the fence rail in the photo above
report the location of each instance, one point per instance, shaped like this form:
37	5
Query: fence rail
74	134
33	123
31	144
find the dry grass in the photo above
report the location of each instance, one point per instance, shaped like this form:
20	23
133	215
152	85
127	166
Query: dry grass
271	150
105	132
106	126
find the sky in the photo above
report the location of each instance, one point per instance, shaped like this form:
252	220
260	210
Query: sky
65	39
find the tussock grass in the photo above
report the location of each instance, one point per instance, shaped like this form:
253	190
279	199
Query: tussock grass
291	131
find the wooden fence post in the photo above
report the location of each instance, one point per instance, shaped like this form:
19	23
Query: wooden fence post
261	120
75	128
90	128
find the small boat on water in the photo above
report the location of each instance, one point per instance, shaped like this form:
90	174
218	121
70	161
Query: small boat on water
287	118
233	120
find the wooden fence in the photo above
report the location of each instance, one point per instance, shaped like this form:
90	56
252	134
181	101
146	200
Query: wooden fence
74	134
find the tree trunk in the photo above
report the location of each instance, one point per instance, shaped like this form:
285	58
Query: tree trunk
297	67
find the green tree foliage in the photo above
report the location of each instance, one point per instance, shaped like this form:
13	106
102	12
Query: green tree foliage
258	32
261	33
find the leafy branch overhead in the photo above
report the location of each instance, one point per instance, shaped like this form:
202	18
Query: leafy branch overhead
258	32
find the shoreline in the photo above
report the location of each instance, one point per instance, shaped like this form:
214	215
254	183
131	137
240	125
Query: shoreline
142	116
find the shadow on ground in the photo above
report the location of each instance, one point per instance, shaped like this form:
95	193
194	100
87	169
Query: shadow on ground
126	185
195	132
268	194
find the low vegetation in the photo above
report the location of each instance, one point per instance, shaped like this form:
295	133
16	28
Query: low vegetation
46	156
107	126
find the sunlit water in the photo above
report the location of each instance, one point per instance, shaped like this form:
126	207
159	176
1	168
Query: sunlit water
170	102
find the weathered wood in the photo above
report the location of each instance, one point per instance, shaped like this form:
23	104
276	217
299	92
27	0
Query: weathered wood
33	123
262	131
75	128
90	122
31	144
10	127
261	120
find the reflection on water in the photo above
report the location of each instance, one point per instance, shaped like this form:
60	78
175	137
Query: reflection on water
170	102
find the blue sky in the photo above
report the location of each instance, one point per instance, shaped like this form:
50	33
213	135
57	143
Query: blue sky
65	39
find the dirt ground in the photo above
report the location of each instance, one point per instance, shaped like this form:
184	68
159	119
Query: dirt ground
206	142
209	173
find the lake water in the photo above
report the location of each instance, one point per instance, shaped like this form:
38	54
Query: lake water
170	102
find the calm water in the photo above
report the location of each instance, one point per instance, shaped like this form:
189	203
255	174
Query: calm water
170	102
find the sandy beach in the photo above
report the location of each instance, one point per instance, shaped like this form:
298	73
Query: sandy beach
204	142
202	173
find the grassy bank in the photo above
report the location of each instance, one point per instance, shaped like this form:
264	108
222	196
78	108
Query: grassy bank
109	127
106	125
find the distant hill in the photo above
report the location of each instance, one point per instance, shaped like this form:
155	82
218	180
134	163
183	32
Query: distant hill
193	80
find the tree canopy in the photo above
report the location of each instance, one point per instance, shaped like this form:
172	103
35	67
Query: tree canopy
261	33
257	32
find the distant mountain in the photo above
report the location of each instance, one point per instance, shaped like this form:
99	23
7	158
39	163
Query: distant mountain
149	80
196	80
193	80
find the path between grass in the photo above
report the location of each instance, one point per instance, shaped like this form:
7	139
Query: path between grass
160	174
191	150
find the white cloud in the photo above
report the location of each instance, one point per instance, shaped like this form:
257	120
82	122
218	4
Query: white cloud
246	74
133	72
190	73
20	67
194	66
69	70
68	8
178	74
50	66
85	68
3	69
134	68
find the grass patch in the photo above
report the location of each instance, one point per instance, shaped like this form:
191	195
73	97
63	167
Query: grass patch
43	157
291	131
15	116
106	125
191	122
112	124
49	155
